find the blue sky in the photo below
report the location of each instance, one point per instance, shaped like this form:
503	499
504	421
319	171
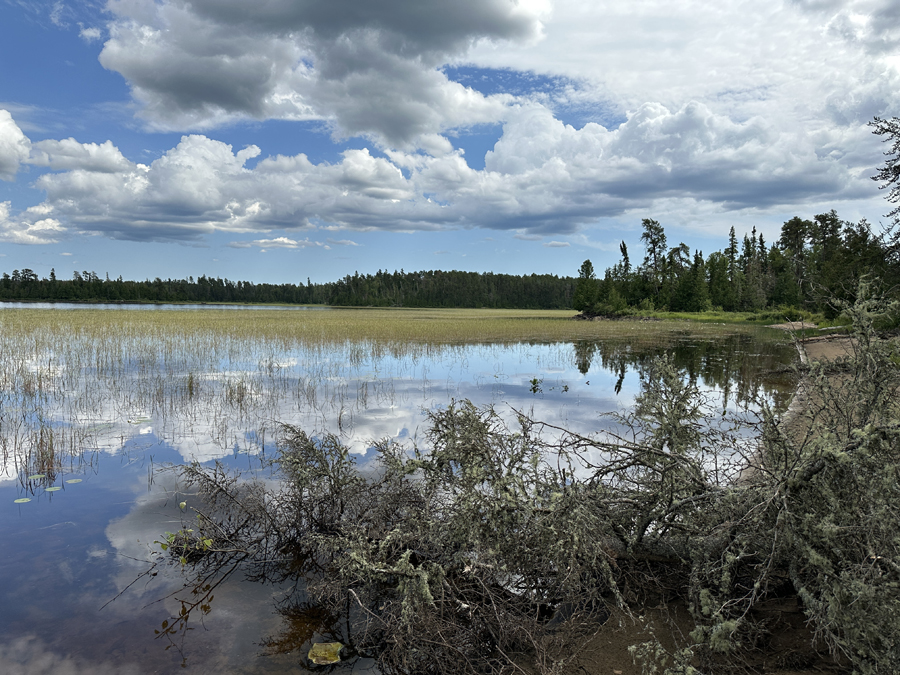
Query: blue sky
316	138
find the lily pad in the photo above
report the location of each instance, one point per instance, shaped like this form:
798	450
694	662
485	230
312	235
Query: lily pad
325	653
53	489
37	476
22	500
73	480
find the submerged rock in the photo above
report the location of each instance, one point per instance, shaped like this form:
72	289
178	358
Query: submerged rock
325	653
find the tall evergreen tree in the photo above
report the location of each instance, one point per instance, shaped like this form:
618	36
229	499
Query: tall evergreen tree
585	296
889	173
654	239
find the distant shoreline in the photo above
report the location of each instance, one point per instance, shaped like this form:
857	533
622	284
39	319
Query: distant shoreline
160	302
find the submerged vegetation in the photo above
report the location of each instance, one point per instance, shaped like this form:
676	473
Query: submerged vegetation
211	381
498	546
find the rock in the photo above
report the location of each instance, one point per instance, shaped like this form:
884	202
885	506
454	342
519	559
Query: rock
325	653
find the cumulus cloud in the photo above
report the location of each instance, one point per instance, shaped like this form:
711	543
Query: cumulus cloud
542	177
14	146
202	185
686	111
658	153
368	68
874	24
777	57
406	26
33	226
69	154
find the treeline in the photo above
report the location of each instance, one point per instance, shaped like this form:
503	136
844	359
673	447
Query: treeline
383	289
812	263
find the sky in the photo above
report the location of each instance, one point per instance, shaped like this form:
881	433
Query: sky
282	140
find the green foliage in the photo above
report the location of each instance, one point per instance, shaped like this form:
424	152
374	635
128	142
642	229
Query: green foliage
813	263
889	173
586	290
433	288
654	660
185	545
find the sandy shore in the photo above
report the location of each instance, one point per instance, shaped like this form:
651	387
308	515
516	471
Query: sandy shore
826	348
822	348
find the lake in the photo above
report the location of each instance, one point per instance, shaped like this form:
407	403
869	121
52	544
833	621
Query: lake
95	404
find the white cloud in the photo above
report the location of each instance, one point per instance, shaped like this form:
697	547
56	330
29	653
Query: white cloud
90	34
768	55
33	226
713	109
69	154
342	242
14	146
542	177
56	14
873	24
557	244
367	68
278	242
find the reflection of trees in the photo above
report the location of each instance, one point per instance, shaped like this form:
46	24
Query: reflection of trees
739	365
584	354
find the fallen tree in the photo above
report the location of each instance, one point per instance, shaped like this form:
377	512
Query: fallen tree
493	549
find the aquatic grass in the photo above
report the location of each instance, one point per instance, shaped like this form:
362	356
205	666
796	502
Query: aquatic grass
763	318
85	380
382	326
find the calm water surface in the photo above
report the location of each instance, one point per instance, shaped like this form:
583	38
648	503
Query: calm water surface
71	598
152	307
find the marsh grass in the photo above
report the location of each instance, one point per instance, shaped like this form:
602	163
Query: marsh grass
83	380
762	318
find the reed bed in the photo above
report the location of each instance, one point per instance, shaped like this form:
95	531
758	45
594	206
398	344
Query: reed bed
81	381
432	326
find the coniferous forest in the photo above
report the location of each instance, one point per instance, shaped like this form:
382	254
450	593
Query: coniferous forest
811	262
383	289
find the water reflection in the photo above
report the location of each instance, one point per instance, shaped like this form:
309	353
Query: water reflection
208	399
155	306
115	411
739	366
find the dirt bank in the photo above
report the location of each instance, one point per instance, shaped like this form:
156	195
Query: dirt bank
825	348
793	325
